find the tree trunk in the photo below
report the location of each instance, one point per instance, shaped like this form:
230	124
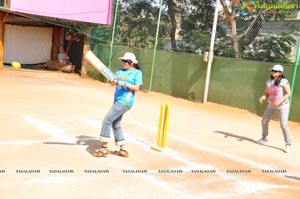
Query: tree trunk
172	13
234	40
230	17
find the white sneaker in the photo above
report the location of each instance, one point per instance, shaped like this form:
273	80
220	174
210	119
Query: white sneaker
288	148
262	141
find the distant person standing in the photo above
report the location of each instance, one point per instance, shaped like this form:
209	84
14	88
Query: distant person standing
277	92
129	80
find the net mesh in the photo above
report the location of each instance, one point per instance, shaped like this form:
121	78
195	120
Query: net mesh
256	30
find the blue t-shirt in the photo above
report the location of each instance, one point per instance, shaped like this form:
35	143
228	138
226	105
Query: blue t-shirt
123	94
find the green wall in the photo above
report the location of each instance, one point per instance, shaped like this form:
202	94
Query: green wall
236	83
241	83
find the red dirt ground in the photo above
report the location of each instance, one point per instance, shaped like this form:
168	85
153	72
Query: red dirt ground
50	123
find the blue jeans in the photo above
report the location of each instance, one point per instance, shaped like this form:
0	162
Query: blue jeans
112	120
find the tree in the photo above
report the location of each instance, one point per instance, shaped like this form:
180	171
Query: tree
138	21
272	48
238	29
229	15
173	12
196	24
101	34
137	24
245	24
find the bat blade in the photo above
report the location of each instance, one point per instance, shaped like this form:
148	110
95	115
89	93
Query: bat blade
99	66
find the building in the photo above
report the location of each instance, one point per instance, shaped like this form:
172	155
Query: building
39	31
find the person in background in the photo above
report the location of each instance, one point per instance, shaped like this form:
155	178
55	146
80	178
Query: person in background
277	92
128	81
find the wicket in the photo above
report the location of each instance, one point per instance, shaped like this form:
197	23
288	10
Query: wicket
163	124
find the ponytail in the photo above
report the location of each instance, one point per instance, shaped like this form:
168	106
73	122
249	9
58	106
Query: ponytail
136	66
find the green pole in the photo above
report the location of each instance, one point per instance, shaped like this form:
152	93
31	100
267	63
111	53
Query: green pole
294	75
113	33
154	50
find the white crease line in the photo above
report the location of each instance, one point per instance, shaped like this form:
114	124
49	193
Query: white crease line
194	145
39	142
57	133
179	157
258	186
158	183
49	129
52	180
201	148
171	154
53	131
243	188
19	142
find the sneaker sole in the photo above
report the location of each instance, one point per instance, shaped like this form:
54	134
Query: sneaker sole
287	151
262	143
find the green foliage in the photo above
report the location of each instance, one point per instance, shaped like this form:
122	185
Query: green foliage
101	34
137	24
263	34
272	48
196	24
194	42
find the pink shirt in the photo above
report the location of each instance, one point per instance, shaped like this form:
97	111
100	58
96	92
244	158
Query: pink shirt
276	93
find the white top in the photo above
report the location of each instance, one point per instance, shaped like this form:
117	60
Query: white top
276	93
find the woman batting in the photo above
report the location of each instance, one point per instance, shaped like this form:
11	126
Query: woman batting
128	81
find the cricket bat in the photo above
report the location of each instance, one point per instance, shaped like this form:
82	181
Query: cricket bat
99	66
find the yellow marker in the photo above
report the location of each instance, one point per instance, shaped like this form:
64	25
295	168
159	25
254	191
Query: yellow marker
15	64
166	126
163	125
156	148
159	125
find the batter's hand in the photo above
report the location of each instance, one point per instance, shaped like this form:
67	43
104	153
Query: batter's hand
262	99
113	82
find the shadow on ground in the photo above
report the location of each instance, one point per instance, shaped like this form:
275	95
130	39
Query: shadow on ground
92	143
293	177
242	138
